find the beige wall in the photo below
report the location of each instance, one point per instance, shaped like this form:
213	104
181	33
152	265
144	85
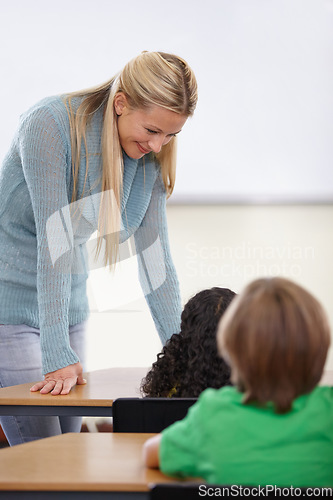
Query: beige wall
214	246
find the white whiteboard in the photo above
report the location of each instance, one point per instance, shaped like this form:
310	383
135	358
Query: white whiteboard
263	129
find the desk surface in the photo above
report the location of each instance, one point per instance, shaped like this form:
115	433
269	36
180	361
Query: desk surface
92	399
102	387
79	462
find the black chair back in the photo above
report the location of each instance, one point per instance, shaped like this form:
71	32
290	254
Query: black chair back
148	414
174	491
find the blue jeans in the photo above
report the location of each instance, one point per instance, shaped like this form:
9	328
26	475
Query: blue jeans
20	362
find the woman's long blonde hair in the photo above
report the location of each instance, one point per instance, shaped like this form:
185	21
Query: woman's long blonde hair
150	79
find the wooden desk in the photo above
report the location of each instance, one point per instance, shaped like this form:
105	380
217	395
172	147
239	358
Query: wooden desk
96	465
93	399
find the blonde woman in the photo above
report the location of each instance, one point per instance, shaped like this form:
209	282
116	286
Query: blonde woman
101	159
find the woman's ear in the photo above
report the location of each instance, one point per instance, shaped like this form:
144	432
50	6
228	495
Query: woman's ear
120	103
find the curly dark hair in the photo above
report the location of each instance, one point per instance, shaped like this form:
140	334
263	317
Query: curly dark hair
189	362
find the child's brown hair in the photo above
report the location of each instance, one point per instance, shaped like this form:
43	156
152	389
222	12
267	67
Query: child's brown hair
276	336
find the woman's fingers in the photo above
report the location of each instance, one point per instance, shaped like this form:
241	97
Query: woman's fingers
58	388
38	386
81	380
55	387
61	381
48	387
68	383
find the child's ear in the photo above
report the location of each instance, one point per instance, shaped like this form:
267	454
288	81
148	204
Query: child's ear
120	103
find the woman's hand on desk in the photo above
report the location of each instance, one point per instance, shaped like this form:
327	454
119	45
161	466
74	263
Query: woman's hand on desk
60	381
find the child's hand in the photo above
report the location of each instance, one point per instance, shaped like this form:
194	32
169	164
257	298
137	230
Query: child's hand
151	452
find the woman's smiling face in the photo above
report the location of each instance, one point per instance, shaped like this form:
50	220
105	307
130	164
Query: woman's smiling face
144	130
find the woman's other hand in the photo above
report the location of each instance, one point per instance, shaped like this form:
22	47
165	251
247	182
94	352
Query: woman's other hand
60	381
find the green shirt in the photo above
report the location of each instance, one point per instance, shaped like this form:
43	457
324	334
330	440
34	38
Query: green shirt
226	442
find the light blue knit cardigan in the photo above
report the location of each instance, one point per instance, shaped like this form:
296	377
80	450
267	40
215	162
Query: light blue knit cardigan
43	257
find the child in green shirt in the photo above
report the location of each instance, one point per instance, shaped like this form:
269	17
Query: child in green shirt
275	426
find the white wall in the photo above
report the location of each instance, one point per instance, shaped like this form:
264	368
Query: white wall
263	125
215	246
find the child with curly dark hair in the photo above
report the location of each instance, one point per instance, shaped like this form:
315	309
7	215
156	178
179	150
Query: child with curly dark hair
189	362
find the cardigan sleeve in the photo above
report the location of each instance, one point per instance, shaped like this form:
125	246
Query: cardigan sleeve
44	155
157	272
